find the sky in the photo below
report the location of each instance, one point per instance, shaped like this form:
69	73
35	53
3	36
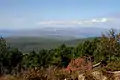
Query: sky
36	14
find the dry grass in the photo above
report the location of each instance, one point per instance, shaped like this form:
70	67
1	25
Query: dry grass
49	74
56	74
10	77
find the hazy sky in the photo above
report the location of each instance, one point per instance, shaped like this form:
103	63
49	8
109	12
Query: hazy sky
28	14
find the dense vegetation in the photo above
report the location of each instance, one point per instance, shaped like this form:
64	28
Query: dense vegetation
27	44
105	48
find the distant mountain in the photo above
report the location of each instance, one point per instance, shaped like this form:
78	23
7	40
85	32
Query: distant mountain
71	32
27	44
47	38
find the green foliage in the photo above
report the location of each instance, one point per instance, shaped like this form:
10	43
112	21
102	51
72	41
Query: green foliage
106	48
9	58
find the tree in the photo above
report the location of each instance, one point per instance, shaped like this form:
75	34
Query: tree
15	58
30	60
3	51
108	47
87	48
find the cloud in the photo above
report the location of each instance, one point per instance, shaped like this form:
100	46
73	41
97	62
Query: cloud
29	23
103	22
74	22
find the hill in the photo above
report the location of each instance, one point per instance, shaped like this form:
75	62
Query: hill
27	44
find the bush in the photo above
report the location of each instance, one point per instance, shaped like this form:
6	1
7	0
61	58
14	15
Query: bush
49	74
89	76
79	64
113	66
32	74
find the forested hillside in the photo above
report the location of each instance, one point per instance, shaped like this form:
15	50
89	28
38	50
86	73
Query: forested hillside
27	44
